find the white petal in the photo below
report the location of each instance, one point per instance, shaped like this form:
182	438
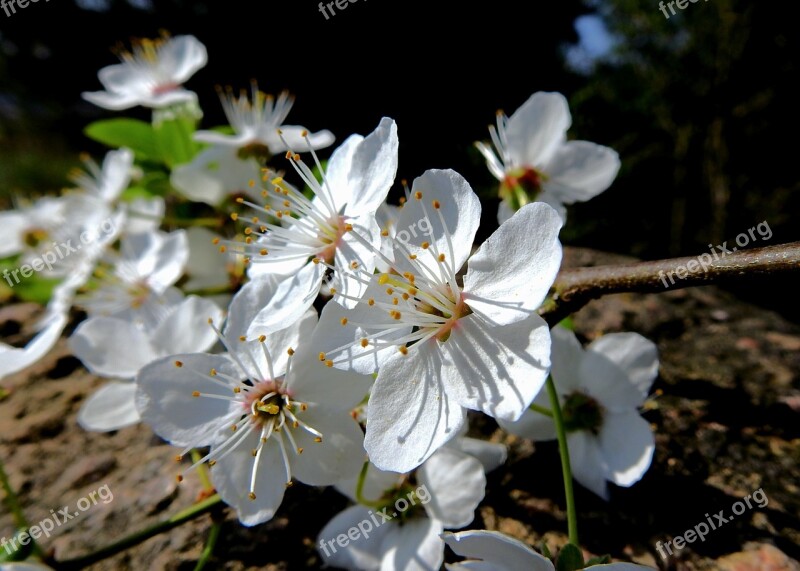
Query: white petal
456	484
268	304
511	273
567	356
580	170
419	221
332	334
365	552
537	129
231	477
409	415
313	381
490	454
165	402
361	171
116	174
206	267
144	214
627	445
213	174
341	453
111	101
13	224
15	359
350	250
111	407
502	552
587	462
181	57
112	347
636	355
533	425
496	369
170	261
186	329
415	546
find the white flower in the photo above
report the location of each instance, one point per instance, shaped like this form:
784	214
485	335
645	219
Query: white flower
115	348
138	285
534	160
406	519
600	389
439	347
336	230
151	75
256	121
267	415
492	550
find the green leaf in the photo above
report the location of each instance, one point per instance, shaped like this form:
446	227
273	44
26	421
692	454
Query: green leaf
36	289
545	550
567	323
132	133
570	558
174	139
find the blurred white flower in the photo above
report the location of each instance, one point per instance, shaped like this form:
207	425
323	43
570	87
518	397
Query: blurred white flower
534	161
600	389
493	550
151	75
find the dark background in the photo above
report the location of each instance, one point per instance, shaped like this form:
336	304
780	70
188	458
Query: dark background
701	106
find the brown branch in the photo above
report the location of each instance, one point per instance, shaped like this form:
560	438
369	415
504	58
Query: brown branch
574	288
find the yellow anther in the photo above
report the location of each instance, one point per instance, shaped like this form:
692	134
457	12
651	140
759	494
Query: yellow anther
405	297
242	338
179	364
370	301
385	233
263	251
248	231
354	264
389	291
348	227
395	300
251	183
412	291
441	257
300	450
222	249
364	342
425	245
269	408
436	204
418	195
179	478
215	241
322	356
212	463
329	363
412	257
403	349
383	279
195	394
316	260
343	321
251	495
237	390
318	440
234	216
262	338
290	351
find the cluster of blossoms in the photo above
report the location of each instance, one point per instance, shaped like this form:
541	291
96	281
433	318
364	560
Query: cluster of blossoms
371	394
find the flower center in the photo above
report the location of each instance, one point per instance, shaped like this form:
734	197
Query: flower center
269	405
521	186
255	150
34	236
582	412
402	500
330	235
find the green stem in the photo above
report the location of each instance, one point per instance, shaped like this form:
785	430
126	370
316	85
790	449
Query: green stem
208	551
563	448
362	477
541	410
202	470
12	503
179	518
206	291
